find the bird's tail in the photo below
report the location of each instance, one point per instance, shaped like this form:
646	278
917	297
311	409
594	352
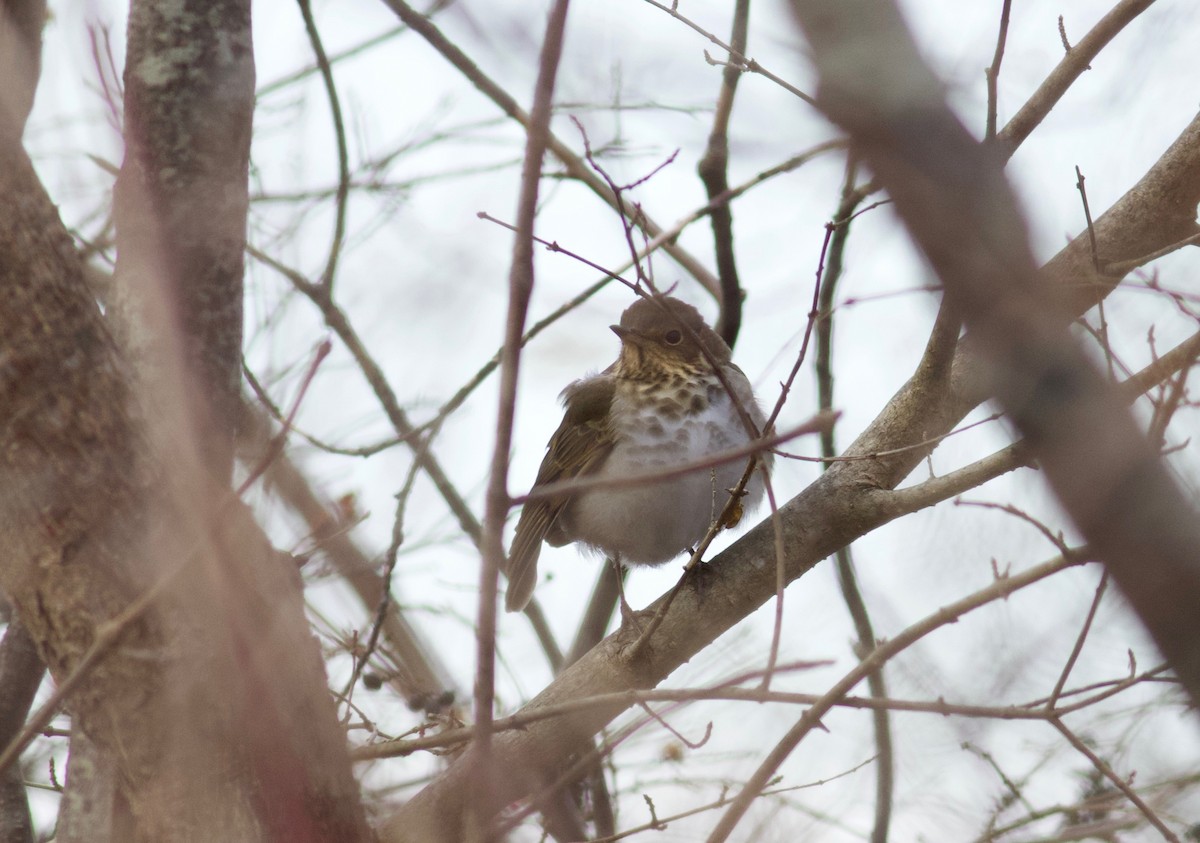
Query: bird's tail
523	559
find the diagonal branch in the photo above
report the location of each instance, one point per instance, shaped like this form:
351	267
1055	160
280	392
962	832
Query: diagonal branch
849	500
951	193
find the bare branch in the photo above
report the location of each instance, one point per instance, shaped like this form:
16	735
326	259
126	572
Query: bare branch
953	198
520	284
576	167
1074	63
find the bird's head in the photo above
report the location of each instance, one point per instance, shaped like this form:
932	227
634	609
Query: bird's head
662	335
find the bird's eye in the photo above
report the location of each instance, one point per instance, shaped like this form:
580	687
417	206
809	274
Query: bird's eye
673	337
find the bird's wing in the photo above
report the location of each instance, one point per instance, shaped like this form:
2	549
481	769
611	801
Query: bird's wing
576	449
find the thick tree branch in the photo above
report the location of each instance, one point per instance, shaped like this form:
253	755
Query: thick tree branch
952	195
848	501
87	813
180	203
213	708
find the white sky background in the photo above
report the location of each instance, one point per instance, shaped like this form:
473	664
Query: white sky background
425	283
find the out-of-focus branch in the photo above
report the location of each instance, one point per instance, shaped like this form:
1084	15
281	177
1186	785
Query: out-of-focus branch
419	676
87	813
214	709
952	196
491	544
849	500
339	323
67	443
21	23
180	204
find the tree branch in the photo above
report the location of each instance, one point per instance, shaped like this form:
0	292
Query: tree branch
848	501
951	193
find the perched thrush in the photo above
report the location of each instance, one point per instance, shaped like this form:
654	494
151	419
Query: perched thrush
659	407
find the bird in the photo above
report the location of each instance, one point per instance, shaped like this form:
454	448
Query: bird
672	398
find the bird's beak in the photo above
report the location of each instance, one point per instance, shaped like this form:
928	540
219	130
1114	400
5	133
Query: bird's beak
625	333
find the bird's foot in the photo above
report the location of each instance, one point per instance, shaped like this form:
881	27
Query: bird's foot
629	616
699	572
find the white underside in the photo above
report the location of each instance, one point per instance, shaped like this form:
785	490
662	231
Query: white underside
653	523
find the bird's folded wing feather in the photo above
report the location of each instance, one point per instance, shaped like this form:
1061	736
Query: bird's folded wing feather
576	449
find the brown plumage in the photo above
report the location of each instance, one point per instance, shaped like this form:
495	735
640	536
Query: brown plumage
581	442
658	406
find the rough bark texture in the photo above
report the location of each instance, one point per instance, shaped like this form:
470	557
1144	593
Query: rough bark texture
21	23
21	672
261	755
181	201
85	814
851	499
68	504
212	707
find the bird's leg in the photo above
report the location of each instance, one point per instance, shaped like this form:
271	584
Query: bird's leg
627	616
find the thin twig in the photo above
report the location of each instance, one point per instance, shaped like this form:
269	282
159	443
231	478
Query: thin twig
736	58
1072	65
497	499
1087	214
1119	783
275	446
814	425
1122	267
1054	538
937	489
389	568
713	169
628	221
839	232
879	656
1031	711
339	323
339	133
575	166
993	71
1079	641
890	452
